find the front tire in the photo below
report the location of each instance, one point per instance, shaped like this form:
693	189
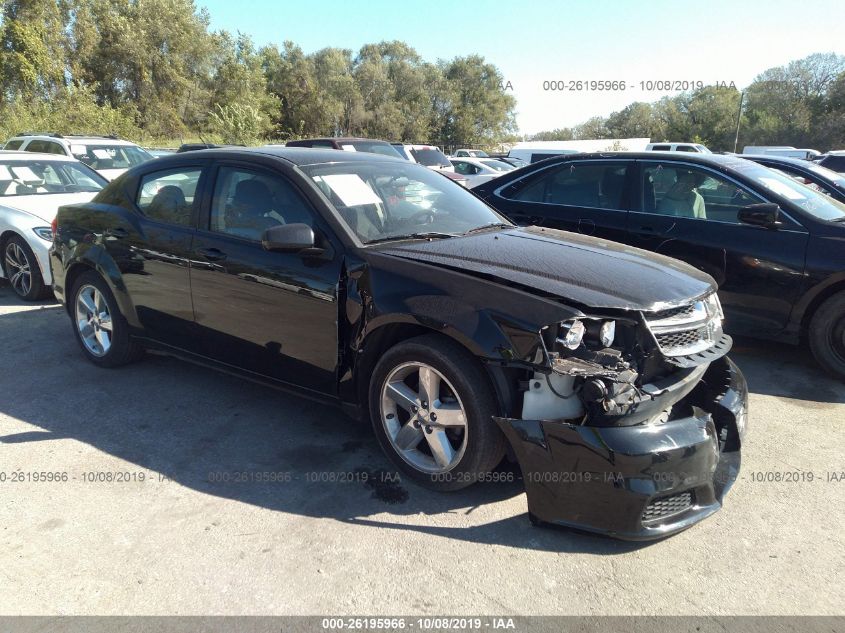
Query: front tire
100	329
827	335
431	407
22	270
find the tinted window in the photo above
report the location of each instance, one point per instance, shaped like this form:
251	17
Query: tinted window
168	196
595	185
12	145
836	163
661	148
692	193
39	147
430	157
686	148
246	203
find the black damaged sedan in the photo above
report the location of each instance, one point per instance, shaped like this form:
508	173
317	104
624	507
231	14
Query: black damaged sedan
390	291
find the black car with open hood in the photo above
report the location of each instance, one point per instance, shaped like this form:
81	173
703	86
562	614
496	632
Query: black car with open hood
379	286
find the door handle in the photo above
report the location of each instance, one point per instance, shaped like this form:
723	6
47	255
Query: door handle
117	233
212	254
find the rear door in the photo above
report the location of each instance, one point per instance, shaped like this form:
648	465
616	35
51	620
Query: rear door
271	313
153	251
689	212
591	197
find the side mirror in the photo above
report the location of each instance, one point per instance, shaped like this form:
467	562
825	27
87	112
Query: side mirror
766	214
290	238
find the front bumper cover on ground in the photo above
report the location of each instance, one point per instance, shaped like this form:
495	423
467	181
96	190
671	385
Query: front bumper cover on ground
636	482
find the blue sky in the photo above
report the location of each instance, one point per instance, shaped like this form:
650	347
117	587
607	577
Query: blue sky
532	41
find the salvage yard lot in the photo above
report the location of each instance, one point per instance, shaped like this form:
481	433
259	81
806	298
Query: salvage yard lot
254	502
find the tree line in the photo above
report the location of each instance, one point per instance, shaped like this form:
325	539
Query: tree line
153	69
800	104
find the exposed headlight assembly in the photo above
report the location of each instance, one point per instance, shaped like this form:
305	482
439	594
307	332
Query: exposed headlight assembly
571	334
607	333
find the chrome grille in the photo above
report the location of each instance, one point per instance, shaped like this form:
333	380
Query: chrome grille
688	329
667	507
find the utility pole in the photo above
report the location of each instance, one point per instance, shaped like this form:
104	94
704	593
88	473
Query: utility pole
738	117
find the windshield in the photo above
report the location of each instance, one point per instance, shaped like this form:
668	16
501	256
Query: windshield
30	178
110	156
813	202
497	165
430	157
379	201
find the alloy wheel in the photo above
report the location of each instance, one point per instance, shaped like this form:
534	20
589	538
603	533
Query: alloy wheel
424	418
18	269
93	320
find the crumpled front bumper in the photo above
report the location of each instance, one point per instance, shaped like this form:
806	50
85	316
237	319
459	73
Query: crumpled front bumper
636	482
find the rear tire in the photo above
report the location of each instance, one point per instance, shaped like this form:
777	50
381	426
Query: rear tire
99	327
827	335
22	270
415	382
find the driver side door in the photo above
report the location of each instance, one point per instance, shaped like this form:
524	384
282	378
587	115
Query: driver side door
271	313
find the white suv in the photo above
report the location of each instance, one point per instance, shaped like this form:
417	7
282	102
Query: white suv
109	155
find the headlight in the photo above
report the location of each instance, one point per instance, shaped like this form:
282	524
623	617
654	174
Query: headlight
607	333
571	334
714	306
44	232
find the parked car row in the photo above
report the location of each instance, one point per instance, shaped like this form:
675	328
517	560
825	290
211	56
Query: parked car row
576	302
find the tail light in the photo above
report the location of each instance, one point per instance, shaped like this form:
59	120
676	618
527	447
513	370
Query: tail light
54	226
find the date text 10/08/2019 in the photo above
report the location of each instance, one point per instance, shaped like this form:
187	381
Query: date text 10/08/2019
621	85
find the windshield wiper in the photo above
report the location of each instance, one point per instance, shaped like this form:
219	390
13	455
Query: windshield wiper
492	225
423	235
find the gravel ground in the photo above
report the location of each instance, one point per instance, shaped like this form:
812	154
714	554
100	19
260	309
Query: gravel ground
180	542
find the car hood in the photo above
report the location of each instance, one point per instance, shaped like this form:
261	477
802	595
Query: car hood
592	272
44	205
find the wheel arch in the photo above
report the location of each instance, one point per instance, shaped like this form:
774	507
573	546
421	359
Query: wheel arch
105	267
387	335
817	300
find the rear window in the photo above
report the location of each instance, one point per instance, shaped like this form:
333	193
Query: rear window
836	163
430	157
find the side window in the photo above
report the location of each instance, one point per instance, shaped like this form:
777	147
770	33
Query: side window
686	148
692	193
836	163
246	203
595	185
39	147
53	148
168	196
661	148
13	145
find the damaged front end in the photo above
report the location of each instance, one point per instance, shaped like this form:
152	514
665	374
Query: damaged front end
632	427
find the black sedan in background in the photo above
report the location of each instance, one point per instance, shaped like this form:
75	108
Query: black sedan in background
806	172
774	246
380	286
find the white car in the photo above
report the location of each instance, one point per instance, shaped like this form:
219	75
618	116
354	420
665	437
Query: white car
109	155
32	188
480	170
470	153
695	148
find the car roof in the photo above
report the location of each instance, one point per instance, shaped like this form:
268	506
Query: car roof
787	160
340	139
719	160
295	155
17	155
73	139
